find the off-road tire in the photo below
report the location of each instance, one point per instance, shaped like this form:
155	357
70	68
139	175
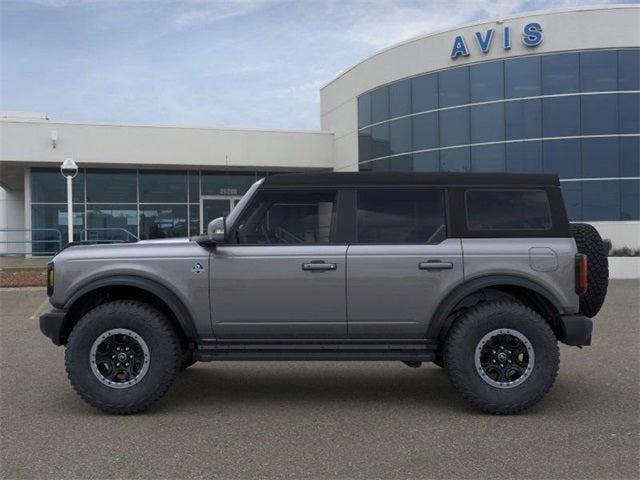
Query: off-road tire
165	356
590	243
464	337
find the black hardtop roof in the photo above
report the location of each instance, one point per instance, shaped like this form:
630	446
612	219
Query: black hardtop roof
411	178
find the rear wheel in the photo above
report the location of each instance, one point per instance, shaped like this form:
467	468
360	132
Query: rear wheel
122	356
502	357
589	242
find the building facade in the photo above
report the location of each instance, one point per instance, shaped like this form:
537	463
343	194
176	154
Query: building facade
555	92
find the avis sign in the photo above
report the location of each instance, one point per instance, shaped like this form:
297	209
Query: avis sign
531	37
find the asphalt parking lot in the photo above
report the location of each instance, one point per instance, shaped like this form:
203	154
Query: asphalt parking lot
321	420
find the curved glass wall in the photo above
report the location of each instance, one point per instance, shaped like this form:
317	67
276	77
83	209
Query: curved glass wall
575	114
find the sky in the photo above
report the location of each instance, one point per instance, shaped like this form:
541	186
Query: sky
218	63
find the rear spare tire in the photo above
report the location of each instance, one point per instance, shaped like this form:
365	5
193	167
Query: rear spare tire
590	243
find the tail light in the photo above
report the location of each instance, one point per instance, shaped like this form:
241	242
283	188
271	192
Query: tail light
582	278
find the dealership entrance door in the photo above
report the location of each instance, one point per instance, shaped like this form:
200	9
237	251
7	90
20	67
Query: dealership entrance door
214	206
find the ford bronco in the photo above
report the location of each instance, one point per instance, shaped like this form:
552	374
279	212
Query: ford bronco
481	274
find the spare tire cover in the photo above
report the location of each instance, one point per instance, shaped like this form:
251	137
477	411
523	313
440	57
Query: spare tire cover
590	243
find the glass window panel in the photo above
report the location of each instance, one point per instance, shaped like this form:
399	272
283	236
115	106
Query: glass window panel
560	73
600	157
522	77
561	116
601	200
365	167
112	186
630	200
629	113
365	145
425	131
454	127
487	158
453	87
507	210
426	161
487	123
194	186
455	160
53	217
523	119
226	183
163	186
524	157
364	110
424	93
400	98
383	165
487	81
380	140
629	70
401	216
599	71
194	220
163	221
572	194
401	163
108	222
562	157
380	105
400	135
291	217
630	156
599	114
49	186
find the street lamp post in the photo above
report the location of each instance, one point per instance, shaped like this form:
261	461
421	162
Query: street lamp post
69	169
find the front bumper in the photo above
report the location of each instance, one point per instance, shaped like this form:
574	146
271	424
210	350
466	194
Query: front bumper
575	330
52	325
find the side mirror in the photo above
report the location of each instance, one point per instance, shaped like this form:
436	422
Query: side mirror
217	230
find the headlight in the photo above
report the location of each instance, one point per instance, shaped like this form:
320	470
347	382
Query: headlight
50	278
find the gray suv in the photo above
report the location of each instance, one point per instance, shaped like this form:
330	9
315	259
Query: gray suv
481	274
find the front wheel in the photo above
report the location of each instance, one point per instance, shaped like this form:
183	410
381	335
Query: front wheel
502	357
122	356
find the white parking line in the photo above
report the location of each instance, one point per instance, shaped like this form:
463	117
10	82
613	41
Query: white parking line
39	309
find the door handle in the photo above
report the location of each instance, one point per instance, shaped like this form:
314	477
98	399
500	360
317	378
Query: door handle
435	265
319	266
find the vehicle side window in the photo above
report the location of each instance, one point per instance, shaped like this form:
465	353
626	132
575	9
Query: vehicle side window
508	210
291	217
401	216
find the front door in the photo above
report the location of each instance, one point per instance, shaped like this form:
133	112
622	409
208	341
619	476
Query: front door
285	275
214	206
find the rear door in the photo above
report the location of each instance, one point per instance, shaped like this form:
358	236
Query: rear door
400	263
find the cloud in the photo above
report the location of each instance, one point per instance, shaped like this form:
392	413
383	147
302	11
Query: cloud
200	12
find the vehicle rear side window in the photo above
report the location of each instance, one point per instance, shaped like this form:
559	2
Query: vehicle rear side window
291	217
401	216
508	210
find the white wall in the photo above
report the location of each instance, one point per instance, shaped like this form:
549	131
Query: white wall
621	234
108	144
11	217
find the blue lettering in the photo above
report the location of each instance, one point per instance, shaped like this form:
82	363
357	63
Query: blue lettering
485	43
506	38
459	47
532	34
